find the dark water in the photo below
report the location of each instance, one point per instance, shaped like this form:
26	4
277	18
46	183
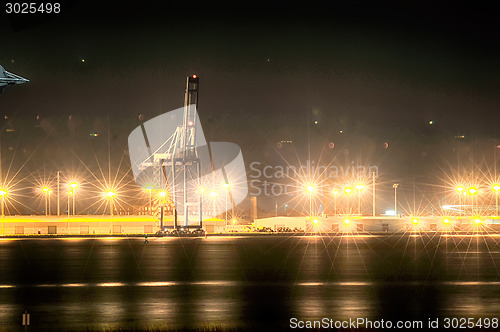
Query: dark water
244	282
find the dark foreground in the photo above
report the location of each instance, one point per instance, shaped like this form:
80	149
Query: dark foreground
245	283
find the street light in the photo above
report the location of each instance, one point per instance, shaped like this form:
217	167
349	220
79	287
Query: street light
73	185
3	192
359	187
310	189
213	194
472	192
110	194
149	188
460	189
46	190
348	192
335	192
49	192
496	187
395	186
226	186
70	193
202	192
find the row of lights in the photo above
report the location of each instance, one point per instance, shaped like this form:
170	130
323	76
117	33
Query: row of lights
201	190
347	190
226	186
414	221
72	193
473	191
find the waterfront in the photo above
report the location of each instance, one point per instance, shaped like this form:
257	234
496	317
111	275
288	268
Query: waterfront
245	282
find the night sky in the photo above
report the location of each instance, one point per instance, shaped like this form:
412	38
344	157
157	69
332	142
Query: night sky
377	72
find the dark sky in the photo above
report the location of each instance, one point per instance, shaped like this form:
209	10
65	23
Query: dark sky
396	63
379	72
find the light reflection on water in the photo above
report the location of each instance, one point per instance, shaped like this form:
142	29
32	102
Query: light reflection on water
245	282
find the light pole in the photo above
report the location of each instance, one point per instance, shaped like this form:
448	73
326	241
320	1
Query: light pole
496	187
359	187
74	185
310	189
70	193
110	195
49	192
3	192
395	186
213	194
202	192
226	186
335	192
373	204
58	189
162	200
460	189
472	192
150	200
348	192
46	191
